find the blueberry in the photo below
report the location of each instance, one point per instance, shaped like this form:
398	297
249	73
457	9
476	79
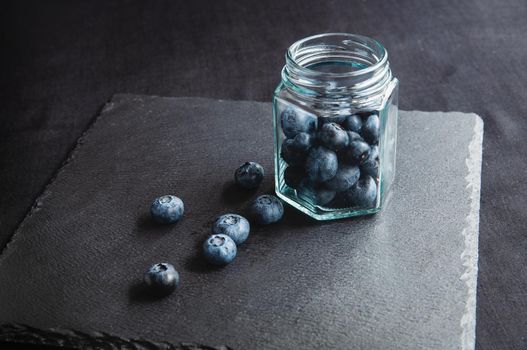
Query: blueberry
353	136
167	209
294	122
161	278
374	154
233	225
370	167
316	194
339	119
370	129
362	194
290	155
249	175
357	151
266	209
333	136
347	176
293	175
321	164
219	249
302	142
294	151
353	123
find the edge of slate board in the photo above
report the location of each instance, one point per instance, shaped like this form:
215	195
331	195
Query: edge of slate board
470	233
18	333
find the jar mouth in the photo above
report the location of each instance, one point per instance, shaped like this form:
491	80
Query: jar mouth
338	66
336	55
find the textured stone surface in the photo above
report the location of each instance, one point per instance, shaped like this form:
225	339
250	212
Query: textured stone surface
403	279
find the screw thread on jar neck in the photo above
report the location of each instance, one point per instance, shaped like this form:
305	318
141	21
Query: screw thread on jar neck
337	66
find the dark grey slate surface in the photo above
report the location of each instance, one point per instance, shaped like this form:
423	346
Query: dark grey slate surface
403	279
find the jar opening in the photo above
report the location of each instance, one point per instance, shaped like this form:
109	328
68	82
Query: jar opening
336	54
338	66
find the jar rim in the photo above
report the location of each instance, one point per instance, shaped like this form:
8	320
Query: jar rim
296	48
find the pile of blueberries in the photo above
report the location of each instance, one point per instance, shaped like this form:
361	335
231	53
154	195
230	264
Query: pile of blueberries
332	161
228	230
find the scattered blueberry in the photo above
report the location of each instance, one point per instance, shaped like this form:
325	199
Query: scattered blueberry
358	151
321	164
249	175
370	167
347	176
266	209
219	249
296	121
316	194
167	209
362	194
161	278
353	123
233	225
293	175
370	129
333	136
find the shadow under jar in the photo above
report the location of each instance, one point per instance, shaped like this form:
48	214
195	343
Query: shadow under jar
335	120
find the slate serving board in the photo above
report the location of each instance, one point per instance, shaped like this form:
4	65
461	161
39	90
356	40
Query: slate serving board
403	279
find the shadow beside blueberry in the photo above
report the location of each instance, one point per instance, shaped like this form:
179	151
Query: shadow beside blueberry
139	292
234	195
197	263
146	225
294	217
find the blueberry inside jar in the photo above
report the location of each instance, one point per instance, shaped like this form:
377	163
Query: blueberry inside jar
335	120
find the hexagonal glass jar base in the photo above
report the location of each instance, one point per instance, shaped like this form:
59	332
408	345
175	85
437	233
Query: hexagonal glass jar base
322	213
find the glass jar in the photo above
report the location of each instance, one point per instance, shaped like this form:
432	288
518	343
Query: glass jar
335	121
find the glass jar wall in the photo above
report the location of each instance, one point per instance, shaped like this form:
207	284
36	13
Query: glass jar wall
335	120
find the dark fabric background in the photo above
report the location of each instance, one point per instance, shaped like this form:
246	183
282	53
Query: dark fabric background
61	60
